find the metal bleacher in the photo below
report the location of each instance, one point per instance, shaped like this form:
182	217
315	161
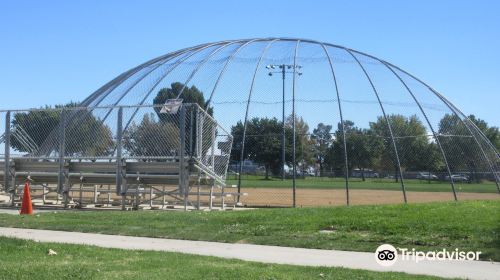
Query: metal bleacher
193	177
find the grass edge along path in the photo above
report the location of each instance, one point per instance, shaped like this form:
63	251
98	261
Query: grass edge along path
467	225
21	259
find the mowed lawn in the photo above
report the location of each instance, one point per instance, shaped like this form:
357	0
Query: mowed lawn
251	181
21	259
467	225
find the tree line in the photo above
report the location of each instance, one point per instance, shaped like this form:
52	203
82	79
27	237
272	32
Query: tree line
367	148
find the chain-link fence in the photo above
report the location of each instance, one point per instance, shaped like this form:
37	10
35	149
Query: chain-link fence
121	149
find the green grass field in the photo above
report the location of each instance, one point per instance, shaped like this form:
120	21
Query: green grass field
21	259
370	183
468	226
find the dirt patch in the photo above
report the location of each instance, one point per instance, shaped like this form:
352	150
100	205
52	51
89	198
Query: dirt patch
324	197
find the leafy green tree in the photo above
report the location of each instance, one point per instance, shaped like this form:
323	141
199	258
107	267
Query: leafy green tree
189	95
37	124
460	148
322	140
262	143
363	148
304	144
411	141
492	133
86	135
151	137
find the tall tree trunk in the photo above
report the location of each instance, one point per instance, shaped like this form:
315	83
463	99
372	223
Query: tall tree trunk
363	174
267	171
396	175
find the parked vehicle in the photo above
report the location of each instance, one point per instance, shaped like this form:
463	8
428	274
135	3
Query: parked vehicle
367	173
458	178
426	176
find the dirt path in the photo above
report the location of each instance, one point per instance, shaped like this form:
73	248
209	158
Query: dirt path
323	197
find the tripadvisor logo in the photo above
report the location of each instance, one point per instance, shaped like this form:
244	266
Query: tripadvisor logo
387	255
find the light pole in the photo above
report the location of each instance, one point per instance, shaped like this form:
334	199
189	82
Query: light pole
283	70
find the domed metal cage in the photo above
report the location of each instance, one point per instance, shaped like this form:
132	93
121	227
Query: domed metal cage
312	123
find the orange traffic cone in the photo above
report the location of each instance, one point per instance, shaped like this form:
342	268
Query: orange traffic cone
26	206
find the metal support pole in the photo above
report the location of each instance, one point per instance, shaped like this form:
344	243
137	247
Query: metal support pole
44	195
6	179
245	123
199	135
119	136
191	134
81	191
458	113
388	124
283	73
120	180
198	190
109	195
62	144
342	126
454	110
151	196
430	126
182	151
214	137
163	198
137	194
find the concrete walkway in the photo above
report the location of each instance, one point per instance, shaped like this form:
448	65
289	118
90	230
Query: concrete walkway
265	254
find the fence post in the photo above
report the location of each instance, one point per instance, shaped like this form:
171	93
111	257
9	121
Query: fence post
182	150
214	137
7	155
62	140
191	134
120	190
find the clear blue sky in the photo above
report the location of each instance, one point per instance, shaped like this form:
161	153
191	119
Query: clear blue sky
52	52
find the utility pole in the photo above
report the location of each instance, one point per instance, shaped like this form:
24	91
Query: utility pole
283	71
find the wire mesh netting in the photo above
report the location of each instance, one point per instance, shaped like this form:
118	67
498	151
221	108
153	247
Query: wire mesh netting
45	144
308	123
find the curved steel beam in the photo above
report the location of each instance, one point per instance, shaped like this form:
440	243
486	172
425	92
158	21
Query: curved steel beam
430	126
125	93
342	127
203	63
115	82
225	67
455	111
149	72
163	77
388	124
101	93
247	108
